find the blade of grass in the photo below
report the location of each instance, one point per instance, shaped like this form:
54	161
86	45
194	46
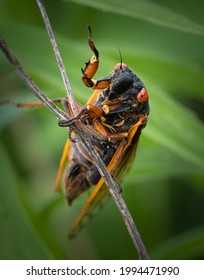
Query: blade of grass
148	11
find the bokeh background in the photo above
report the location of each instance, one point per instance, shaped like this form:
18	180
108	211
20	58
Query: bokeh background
163	42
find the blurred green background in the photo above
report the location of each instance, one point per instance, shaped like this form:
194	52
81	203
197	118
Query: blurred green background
163	42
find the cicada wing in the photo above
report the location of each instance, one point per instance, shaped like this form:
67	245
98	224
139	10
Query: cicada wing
129	151
63	160
98	196
125	154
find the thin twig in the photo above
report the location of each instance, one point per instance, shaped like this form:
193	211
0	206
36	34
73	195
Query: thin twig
83	137
58	56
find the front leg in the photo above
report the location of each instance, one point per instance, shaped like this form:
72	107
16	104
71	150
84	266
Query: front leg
91	68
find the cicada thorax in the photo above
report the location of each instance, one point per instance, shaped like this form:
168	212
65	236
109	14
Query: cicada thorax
120	109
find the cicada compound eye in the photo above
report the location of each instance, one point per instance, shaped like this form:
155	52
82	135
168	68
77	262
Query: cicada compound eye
142	96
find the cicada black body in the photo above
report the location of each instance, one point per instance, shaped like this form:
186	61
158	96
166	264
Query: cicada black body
110	113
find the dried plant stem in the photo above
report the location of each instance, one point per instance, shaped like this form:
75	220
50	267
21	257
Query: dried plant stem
58	56
83	137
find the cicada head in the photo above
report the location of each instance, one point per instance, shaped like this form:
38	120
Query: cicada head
126	85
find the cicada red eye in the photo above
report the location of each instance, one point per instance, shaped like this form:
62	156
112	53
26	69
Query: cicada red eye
119	65
142	95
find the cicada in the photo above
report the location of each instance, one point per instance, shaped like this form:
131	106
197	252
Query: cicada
115	116
116	113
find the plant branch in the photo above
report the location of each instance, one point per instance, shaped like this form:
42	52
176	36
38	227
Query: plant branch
58	56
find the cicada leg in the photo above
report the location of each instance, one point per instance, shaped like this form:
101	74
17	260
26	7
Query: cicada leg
28	104
91	68
89	109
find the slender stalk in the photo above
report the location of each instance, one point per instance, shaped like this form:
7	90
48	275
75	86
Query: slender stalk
58	56
82	135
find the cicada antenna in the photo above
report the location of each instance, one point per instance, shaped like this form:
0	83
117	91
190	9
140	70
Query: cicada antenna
121	59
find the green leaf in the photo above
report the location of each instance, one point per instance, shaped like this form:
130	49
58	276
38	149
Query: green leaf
148	11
